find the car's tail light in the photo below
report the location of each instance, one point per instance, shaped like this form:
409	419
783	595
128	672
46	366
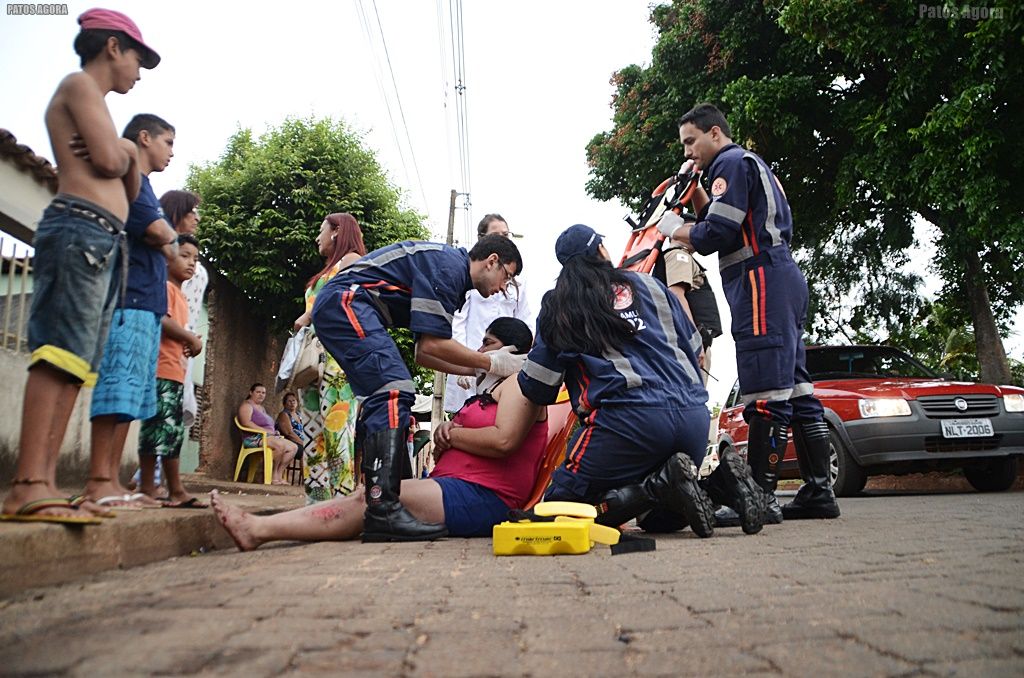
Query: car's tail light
1014	402
883	407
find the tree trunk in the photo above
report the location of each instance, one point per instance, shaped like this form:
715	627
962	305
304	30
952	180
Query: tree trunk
995	369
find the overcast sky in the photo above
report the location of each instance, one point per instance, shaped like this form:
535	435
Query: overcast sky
537	86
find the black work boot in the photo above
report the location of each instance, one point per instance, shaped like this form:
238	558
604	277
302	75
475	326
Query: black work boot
622	504
766	444
815	498
385	518
731	485
674	486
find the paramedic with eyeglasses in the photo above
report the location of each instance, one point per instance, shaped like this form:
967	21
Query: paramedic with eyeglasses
417	285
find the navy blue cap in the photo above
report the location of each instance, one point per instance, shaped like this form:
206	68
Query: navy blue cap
577	239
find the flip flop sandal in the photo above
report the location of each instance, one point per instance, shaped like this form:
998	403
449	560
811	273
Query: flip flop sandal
192	503
142	498
111	499
29	513
78	500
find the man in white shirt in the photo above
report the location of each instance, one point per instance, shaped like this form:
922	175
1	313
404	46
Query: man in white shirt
478	313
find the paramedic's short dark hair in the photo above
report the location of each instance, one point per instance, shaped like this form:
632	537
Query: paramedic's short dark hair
497	244
704	117
485	223
153	124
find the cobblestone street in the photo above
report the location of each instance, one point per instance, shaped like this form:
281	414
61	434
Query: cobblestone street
902	584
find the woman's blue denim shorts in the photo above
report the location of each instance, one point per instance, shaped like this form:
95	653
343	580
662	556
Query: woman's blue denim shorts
470	510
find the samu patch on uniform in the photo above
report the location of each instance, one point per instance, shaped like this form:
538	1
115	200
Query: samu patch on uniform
622	297
719	187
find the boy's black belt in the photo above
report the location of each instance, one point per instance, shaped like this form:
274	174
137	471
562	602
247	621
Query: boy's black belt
107	224
112	226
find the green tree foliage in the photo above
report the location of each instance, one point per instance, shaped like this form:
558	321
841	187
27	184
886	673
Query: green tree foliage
264	201
869	116
941	141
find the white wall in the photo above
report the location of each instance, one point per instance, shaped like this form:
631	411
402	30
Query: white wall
75	449
22	200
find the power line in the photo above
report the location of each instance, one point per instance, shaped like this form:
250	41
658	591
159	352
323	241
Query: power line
365	24
461	106
442	71
401	112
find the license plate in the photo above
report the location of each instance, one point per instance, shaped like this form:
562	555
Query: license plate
967	428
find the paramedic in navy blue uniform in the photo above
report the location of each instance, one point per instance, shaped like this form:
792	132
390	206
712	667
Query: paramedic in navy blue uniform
627	354
418	285
748	222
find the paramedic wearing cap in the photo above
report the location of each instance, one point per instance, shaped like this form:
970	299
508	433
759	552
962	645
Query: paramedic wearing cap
417	285
748	222
627	354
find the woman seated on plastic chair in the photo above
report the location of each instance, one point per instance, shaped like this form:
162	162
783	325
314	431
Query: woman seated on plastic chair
251	414
487	461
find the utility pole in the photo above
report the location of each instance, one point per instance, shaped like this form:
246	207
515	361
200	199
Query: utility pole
437	406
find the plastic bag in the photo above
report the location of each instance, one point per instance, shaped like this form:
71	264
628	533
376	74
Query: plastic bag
307	364
291	355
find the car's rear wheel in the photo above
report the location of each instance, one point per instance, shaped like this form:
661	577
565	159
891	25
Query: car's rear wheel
992	475
848	478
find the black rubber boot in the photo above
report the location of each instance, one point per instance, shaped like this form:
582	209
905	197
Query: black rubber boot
674	486
622	504
766	444
385	518
815	498
731	485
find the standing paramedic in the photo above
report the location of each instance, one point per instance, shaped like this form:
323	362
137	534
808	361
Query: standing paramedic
748	222
418	285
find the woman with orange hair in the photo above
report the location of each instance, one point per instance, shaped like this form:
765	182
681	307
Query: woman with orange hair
329	407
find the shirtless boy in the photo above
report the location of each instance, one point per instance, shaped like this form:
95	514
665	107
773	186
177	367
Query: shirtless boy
78	265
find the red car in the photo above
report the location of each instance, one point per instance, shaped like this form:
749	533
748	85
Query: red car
889	414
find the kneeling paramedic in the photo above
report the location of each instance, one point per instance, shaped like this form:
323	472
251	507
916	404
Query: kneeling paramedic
418	285
628	356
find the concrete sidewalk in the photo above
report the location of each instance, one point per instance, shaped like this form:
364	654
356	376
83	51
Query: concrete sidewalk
41	554
904	584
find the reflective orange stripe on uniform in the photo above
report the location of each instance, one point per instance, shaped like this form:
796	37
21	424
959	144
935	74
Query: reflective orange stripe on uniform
393	409
762	407
387	286
584	386
753	235
758	321
346	303
754	306
581	446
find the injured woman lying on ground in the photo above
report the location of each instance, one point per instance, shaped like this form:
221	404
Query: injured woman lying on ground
487	462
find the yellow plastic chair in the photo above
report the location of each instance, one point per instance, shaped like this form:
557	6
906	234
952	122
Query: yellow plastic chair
243	452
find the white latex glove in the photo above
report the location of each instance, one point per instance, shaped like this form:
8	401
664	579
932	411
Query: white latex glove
504	363
669	223
466	382
686	168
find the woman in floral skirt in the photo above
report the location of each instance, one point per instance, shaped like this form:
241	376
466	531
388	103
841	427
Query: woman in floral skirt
329	407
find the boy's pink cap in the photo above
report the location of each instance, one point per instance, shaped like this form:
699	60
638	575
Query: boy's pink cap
98	18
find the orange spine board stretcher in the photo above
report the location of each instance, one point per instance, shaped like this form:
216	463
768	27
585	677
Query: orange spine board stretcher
646	238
